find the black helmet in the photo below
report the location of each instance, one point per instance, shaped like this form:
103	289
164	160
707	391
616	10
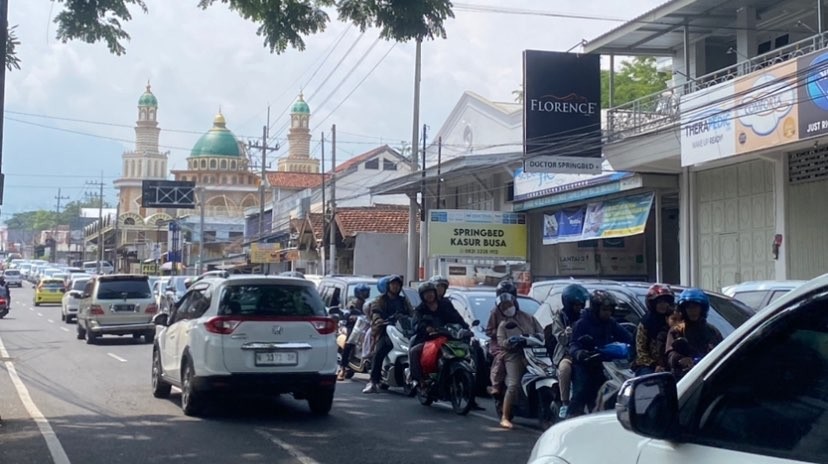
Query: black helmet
395	278
506	286
601	298
439	280
426	287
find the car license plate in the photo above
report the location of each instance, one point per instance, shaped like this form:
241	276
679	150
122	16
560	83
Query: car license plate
277	358
123	308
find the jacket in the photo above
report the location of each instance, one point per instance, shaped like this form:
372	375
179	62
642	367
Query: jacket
602	333
425	318
526	325
650	348
701	339
384	307
555	334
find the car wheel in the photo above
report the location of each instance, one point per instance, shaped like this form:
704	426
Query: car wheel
36	303
149	336
160	388
91	337
190	399
62	316
81	332
321	402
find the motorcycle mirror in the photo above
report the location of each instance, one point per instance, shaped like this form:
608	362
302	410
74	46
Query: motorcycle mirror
476	323
511	325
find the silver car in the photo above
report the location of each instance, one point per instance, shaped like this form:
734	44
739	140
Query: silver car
119	304
13	278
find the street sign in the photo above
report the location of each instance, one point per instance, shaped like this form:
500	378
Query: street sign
168	194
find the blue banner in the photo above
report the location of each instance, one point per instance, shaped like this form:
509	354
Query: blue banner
612	218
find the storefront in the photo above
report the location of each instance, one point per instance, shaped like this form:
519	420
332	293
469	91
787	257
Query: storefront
615	225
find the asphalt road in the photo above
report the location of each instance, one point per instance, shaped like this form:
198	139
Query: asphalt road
64	401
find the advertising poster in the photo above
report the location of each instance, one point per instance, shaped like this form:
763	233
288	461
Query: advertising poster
563	226
617	218
265	253
813	95
479	234
766	114
707	127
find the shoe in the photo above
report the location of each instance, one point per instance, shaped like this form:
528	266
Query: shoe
563	412
370	388
340	376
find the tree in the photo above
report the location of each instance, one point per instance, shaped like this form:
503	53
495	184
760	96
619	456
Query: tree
12	61
42	219
282	23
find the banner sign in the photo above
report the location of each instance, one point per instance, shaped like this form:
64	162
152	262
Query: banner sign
265	253
561	112
611	218
530	185
479	234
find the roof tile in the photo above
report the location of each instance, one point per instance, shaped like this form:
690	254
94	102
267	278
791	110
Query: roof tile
294	180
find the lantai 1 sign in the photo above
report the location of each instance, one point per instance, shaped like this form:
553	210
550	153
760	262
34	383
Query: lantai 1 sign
561	112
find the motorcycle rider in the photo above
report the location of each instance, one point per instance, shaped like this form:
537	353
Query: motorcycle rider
497	374
5	286
361	294
442	285
650	356
389	305
512	350
429	316
558	336
694	337
595	329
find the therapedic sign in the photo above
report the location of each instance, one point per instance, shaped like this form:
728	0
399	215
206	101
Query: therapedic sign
561	112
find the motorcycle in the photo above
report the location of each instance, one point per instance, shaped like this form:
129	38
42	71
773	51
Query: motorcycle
360	337
395	371
616	365
453	378
540	394
5	303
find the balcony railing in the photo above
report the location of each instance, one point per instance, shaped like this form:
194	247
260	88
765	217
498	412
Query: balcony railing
661	110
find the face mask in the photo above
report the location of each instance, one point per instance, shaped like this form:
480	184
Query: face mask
510	312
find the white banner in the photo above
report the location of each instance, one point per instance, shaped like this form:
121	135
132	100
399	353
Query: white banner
707	127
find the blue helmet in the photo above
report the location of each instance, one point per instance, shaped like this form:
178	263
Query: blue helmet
574	294
693	295
382	285
362	291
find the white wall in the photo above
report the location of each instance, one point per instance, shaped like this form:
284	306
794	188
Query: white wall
380	254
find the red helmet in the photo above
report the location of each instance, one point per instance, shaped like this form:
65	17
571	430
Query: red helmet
657	291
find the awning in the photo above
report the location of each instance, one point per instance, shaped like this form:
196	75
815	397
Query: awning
602	186
620	217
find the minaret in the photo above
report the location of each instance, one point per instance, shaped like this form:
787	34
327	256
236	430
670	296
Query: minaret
298	159
146	130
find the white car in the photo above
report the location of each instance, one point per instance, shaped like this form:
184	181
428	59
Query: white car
256	334
760	397
72	298
13	278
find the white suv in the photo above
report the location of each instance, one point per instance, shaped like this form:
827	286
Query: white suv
13	278
252	334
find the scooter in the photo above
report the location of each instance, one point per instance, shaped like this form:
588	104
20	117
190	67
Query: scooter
395	370
453	380
4	307
540	395
360	360
616	363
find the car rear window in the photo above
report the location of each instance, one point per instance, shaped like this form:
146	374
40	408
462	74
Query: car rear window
79	284
271	300
123	288
11	272
53	283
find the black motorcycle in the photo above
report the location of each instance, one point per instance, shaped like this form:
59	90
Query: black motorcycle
5	302
454	379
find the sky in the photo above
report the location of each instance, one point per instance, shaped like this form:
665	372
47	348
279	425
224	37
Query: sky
70	110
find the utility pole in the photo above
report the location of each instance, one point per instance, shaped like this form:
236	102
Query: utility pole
4	38
332	239
263	181
412	198
324	211
58	198
101	245
202	200
439	178
423	222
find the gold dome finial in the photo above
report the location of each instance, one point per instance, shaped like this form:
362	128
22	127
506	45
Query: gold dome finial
219	120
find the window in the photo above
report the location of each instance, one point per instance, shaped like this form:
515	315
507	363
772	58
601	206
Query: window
129	221
233	165
223	165
777	294
388	165
271	300
212	164
203	164
752	299
235	235
123	288
741	408
372	164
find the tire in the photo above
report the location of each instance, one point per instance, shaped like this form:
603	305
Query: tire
481	376
461	391
91	337
321	402
36	303
547	411
160	388
81	332
149	337
423	396
190	399
62	316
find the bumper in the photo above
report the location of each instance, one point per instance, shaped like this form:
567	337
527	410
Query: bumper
119	329
49	298
266	383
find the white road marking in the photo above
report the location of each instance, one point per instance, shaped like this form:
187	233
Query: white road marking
40	314
291	450
114	356
31	309
50	321
64	329
52	442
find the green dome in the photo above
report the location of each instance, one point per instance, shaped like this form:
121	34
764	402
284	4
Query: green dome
218	141
300	106
148	99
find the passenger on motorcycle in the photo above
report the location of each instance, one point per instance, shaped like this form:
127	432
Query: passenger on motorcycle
649	353
442	285
430	315
558	336
497	374
512	350
595	329
693	338
385	308
355	309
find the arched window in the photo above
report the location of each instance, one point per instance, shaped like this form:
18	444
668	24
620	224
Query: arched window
212	164
129	221
233	165
223	165
203	164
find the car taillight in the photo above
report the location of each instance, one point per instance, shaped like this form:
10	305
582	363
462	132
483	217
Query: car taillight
151	308
2	301
324	325
96	310
222	325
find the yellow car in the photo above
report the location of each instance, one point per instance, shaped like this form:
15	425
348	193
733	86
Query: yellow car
49	291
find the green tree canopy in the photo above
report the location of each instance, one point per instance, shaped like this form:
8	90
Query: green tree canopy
42	219
12	61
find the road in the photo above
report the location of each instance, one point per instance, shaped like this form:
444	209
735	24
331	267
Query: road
64	401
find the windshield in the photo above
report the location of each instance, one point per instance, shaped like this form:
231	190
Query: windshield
53	284
481	305
118	289
177	283
79	284
271	300
353	285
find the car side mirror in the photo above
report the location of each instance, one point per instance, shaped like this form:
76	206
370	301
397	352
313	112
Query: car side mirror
475	322
161	319
648	406
75	294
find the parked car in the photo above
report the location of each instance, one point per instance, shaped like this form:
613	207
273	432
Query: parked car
759	294
727	409
49	291
13	278
337	291
72	297
119	304
288	344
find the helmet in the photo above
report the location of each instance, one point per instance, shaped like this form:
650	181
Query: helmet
362	291
693	295
426	287
382	285
439	280
601	298
506	286
394	277
657	291
503	298
574	294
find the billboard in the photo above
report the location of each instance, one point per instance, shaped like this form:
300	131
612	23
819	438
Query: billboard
766	113
476	234
602	219
168	194
561	112
265	253
813	95
707	128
